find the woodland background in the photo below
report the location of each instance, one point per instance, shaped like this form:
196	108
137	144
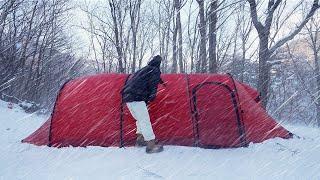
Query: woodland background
273	45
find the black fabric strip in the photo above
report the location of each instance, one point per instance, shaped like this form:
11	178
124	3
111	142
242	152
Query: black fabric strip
196	118
191	110
53	112
242	127
121	114
234	101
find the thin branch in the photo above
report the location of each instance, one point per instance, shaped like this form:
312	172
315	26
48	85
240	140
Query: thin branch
281	42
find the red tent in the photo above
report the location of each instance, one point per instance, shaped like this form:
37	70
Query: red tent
205	110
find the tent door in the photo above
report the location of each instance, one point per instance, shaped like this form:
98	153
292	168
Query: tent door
216	116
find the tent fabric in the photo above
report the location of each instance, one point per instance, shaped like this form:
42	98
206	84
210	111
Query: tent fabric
204	110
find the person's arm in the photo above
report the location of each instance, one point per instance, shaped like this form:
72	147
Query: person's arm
153	84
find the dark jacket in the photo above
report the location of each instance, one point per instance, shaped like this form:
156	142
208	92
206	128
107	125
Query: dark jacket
142	85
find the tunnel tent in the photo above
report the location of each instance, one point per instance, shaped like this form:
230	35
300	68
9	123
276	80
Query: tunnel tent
204	110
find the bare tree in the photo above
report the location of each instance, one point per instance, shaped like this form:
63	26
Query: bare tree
117	17
244	29
265	52
177	34
179	27
134	7
192	37
213	20
32	34
313	39
202	62
162	21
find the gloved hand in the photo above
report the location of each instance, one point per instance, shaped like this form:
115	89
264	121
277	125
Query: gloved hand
163	83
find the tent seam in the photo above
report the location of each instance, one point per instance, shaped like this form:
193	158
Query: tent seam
121	113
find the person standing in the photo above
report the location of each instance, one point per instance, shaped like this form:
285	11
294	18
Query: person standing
141	89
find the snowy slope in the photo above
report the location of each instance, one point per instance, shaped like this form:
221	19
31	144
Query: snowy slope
273	159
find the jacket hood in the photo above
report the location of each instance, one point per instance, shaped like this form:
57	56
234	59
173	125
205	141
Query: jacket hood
156	61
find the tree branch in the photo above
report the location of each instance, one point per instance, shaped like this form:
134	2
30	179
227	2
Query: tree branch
272	6
254	16
281	42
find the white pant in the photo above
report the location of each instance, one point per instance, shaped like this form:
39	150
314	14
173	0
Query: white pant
139	112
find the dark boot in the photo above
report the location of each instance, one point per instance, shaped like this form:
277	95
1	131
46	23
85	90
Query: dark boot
140	140
152	147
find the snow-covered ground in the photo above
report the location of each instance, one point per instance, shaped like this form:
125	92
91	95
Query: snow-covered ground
273	159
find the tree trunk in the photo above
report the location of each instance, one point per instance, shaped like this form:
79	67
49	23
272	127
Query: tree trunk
166	52
135	20
203	34
264	69
180	55
213	18
134	39
243	60
174	44
113	8
317	71
264	32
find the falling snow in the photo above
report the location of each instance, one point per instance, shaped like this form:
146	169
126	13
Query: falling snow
297	158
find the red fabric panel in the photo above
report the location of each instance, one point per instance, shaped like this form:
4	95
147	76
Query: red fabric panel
169	113
88	112
251	91
259	126
217	117
40	136
195	80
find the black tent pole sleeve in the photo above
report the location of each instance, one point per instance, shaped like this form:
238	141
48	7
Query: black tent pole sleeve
121	113
243	130
191	110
